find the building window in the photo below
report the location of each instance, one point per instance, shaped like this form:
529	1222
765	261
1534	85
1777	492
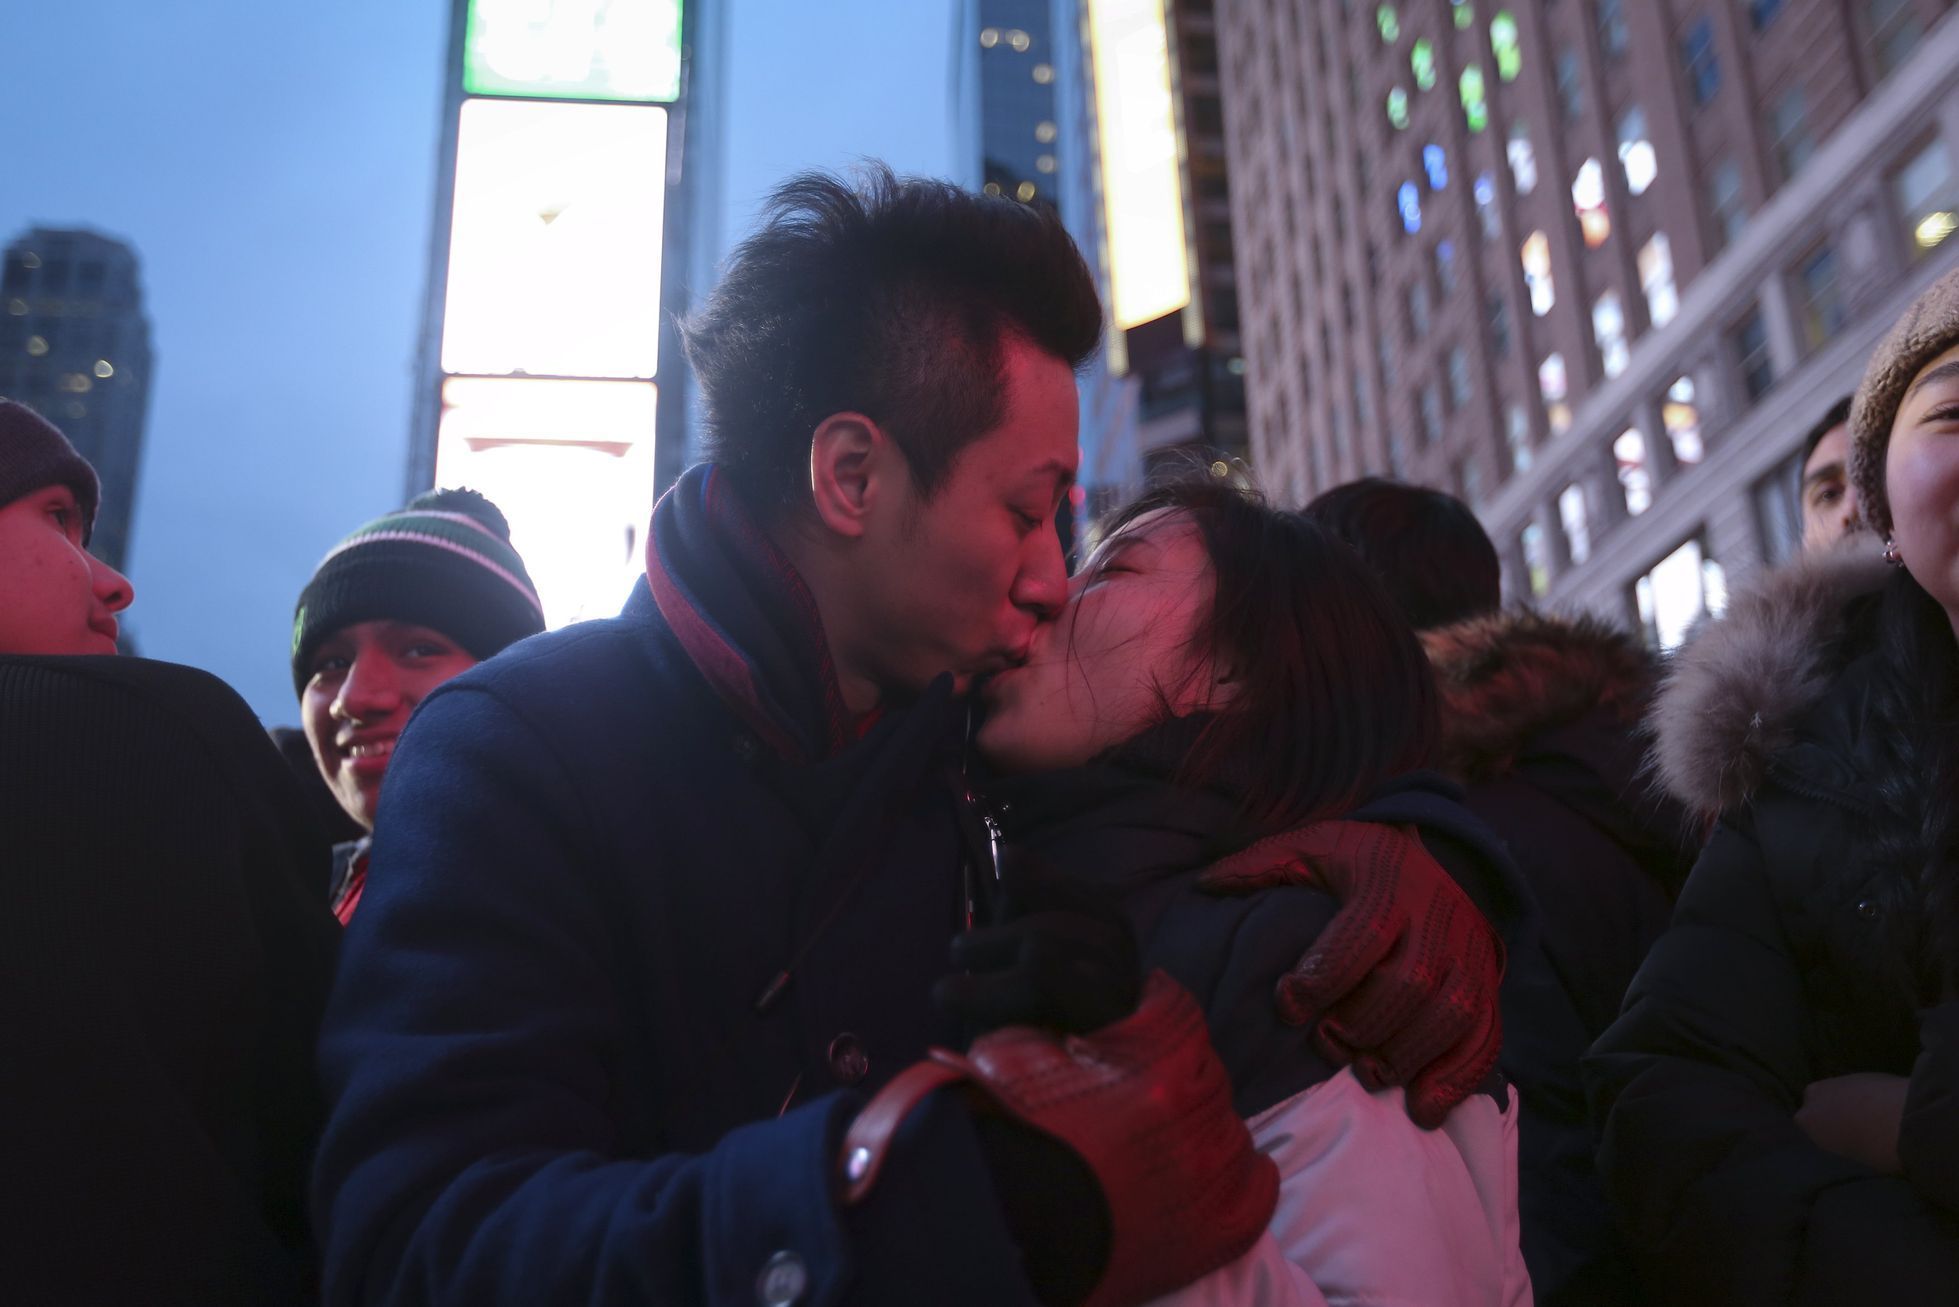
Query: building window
1697	56
1575	520
1762	12
1408	201
1656	279
1926	197
1464	13
1418	310
1458	377
1384	354
1609	329
1682	588
1431	408
1588	201
1571	85
1636	155
1421	61
1516	435
1536	255
1469	481
1503	44
1552	388
1537	559
1778	510
1523	160
1682	419
1390	25
1724	201
1612	29
1499	320
1360	400
1398	108
1445	267
1894	33
1823	310
1435	163
1475	107
1749	340
1635	482
1789	130
1397	456
1487	216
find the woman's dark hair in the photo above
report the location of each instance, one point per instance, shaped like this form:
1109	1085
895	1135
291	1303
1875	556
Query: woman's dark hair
1427	547
891	298
1333	694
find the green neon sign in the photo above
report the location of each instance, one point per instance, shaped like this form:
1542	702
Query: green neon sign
574	49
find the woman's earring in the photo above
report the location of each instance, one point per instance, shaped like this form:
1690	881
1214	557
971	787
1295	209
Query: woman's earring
1891	554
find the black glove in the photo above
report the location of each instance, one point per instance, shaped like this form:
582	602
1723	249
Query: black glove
1058	957
1052	1206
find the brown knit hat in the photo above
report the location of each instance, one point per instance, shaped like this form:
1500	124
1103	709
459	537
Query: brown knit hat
33	455
1928	328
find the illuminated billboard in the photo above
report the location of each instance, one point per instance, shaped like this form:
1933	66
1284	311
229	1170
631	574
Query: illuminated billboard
570	463
573	49
1142	193
554	245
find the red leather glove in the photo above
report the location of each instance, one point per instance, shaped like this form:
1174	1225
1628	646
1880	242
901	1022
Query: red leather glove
1403	981
1146	1107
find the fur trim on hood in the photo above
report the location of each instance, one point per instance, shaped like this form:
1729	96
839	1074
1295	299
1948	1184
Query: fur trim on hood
1733	695
1507	678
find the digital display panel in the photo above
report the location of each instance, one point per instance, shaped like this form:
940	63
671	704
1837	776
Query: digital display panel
573	49
1142	192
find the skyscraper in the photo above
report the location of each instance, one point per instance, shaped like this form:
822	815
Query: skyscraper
75	346
1594	265
1003	92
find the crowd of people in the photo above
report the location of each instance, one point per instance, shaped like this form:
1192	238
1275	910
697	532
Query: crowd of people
876	912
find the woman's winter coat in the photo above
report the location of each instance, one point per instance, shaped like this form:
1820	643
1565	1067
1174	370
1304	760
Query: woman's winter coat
1540	719
1782	967
1371	1208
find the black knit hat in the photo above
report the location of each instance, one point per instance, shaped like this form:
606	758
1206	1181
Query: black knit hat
444	562
33	455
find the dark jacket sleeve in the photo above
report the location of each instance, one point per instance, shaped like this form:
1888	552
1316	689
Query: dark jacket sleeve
472	1152
1696	1086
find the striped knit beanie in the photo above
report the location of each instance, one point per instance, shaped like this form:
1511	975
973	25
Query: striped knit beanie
443	562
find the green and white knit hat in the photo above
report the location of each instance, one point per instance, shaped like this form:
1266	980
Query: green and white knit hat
444	562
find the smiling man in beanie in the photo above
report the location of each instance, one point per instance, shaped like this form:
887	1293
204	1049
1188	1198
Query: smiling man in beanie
398	607
163	954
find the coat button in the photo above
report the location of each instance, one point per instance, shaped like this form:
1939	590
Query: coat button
1867	909
783	1281
849	1063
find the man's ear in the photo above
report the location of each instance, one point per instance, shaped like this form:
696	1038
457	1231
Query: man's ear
850	461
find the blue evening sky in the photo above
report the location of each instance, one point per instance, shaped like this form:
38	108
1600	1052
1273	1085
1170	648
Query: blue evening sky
273	164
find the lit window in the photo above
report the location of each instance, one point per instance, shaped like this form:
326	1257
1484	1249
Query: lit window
1503	42
1682	419
1636	152
104	368
1436	164
1464	14
1537	559
1926	197
1609	329
989	37
1475	108
1045	133
1043	73
1516	434
1045	163
1486	212
1697	54
1823	310
1390	25
1750	342
1682	588
1724	194
1422	60
1523	160
37	346
1629	454
1019	40
17	307
1445	267
1536	256
1409	201
1576	522
1026	191
1398	108
1551	388
1459	387
1656	279
1571	86
991	188
1789	131
1588	200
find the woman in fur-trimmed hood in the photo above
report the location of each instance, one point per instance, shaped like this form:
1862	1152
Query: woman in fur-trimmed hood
1780	1099
1540	720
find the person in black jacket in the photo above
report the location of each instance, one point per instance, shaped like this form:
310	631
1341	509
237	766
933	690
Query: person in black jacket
1540	718
164	953
1780	1098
